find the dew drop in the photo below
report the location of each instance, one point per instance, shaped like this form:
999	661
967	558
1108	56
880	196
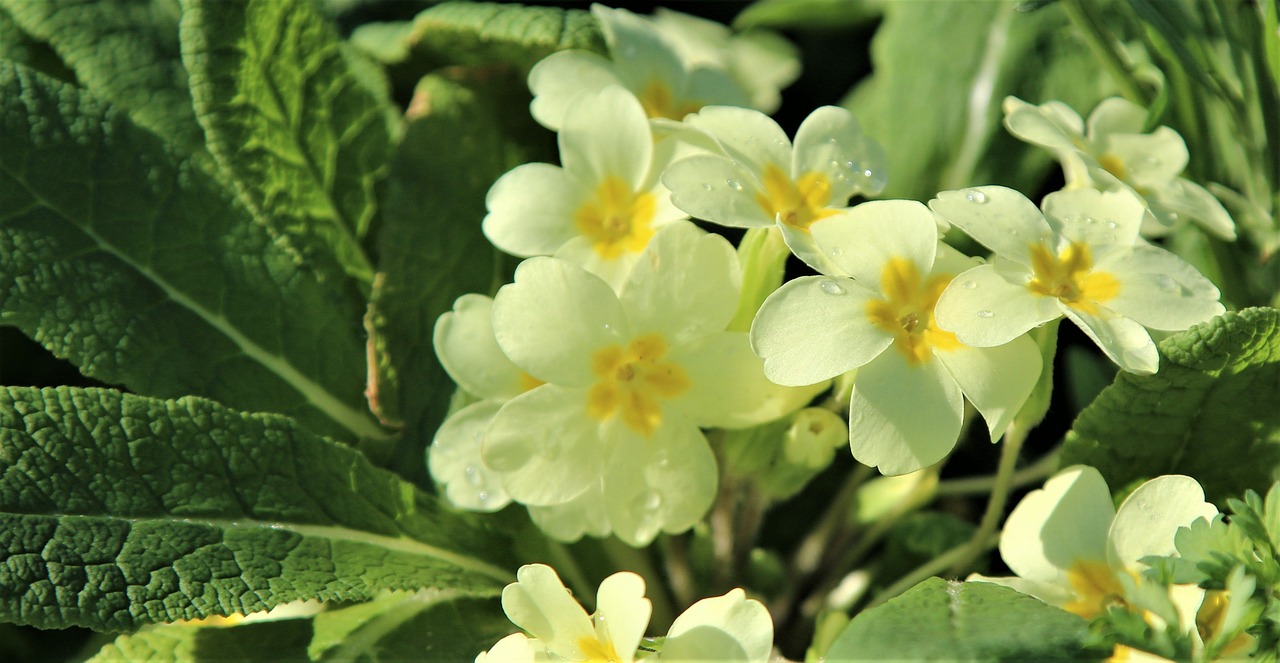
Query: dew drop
662	460
473	477
836	251
1112	225
706	186
868	173
483	496
984	313
835	164
1088	219
608	326
780	142
969	285
1166	283
831	287
646	503
975	196
734	184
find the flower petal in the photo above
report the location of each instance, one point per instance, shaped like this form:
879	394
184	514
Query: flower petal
1184	198
1126	342
1063	522
545	445
639	53
863	239
747	136
665	482
622	611
1095	217
714	188
728	388
515	648
1053	125
815	328
903	418
531	209
1148	519
999	218
540	604
1116	115
984	308
685	285
464	343
831	142
724	628
606	134
1158	289
569	521
455	463
553	317
996	380
560	77
1149	160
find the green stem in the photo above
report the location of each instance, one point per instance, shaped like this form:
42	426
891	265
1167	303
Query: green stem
954	557
1014	436
1107	49
637	560
1028	475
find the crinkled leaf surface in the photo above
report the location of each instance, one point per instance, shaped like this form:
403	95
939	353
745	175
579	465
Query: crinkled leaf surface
1210	412
289	120
118	511
126	52
18	46
467	130
942	70
397	627
131	262
483	33
943	620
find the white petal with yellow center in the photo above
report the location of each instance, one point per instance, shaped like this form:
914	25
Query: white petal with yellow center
1161	291
553	316
605	135
464	342
903	417
661	483
987	306
531	208
622	614
1124	341
702	301
1095	217
999	218
545	445
1054	526
830	142
712	187
748	137
724	628
540	604
455	461
862	240
1147	520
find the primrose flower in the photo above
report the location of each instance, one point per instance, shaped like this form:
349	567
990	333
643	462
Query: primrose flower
725	628
631	377
760	61
875	313
758	178
1069	546
602	207
643	61
1081	258
464	342
1114	152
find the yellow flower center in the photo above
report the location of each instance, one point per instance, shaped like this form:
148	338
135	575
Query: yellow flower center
907	310
1114	165
598	652
617	219
658	100
797	203
528	382
631	382
1095	585
1069	276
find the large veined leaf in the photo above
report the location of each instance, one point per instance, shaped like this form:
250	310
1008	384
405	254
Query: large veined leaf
1210	412
945	620
287	117
473	127
118	511
126	52
131	262
399	627
942	70
18	46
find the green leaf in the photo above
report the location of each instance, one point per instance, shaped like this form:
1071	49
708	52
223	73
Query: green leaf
944	620
483	33
288	119
809	14
118	511
125	52
134	264
1209	412
398	627
18	46
475	128
942	71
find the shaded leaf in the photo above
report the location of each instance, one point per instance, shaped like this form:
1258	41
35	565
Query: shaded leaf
943	620
288	119
134	264
809	14
1210	412
124	51
167	510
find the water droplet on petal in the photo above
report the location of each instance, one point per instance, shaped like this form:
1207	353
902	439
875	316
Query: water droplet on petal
473	477
706	186
662	459
975	196
1112	225
1088	219
968	285
851	165
607	326
734	184
984	313
780	142
868	173
1166	283
483	496
831	287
